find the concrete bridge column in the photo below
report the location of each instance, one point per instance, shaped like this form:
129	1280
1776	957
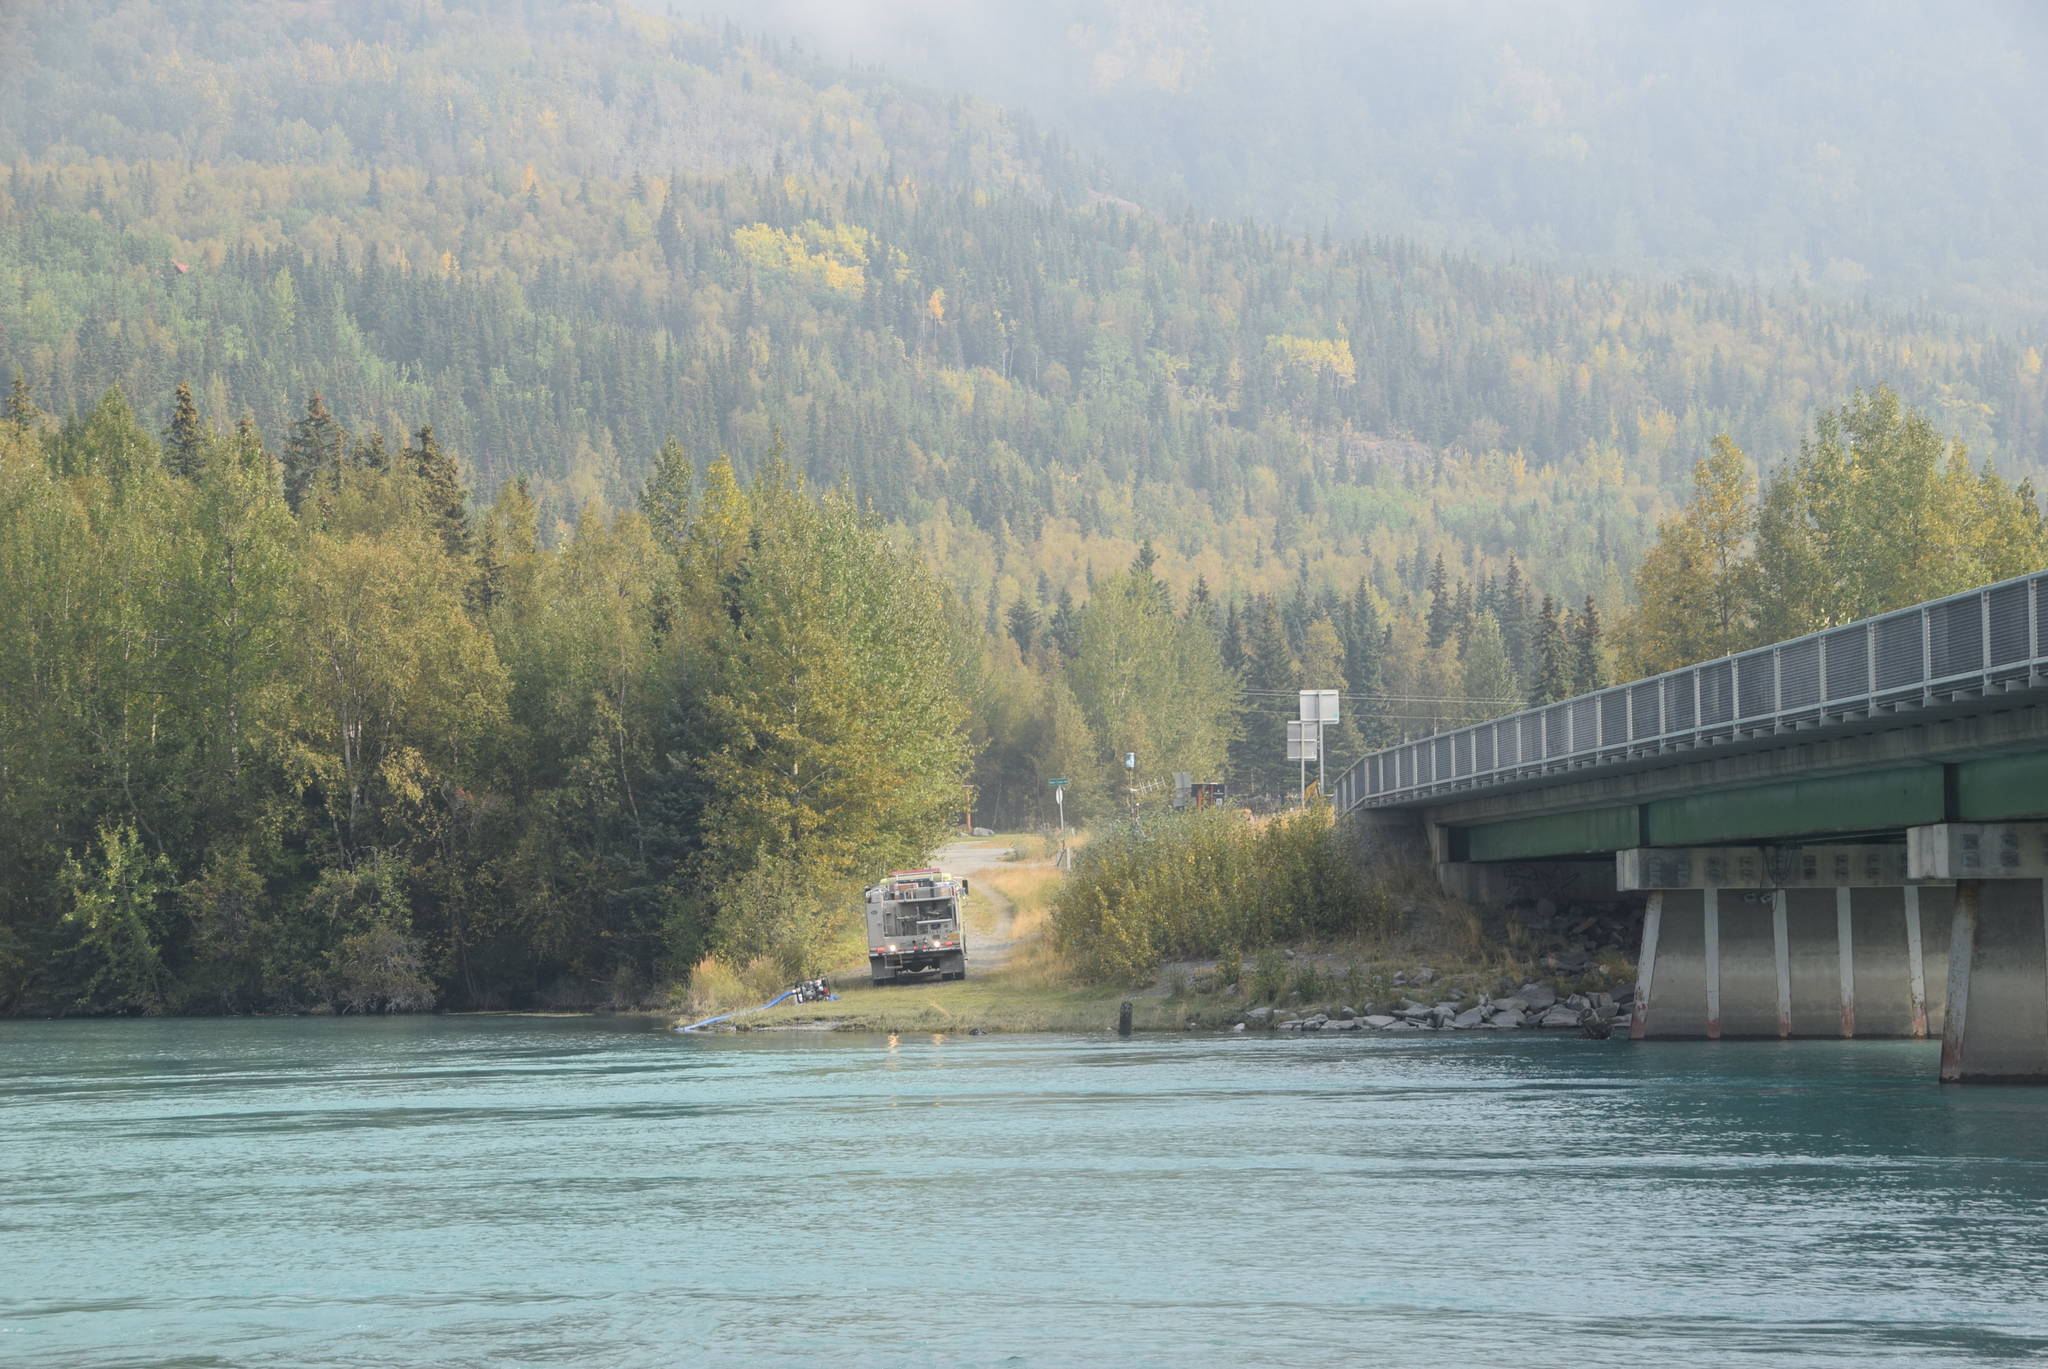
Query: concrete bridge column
1727	954
1997	1025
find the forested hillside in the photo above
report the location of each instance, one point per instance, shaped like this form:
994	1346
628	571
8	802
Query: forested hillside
566	232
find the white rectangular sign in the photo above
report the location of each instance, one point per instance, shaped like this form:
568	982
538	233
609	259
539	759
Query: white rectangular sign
1301	741
1319	705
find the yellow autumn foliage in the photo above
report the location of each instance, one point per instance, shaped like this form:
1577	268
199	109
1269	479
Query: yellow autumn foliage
817	256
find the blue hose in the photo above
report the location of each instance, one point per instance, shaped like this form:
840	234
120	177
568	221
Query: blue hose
746	1012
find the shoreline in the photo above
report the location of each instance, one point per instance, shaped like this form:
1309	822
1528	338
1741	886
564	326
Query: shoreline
1185	998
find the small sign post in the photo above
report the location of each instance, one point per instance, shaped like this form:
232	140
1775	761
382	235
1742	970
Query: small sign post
1318	710
1303	745
1059	798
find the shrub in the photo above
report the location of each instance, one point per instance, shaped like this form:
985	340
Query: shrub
1269	975
1210	882
780	911
117	897
378	970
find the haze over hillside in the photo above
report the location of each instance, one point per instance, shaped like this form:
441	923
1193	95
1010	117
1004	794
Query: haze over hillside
1895	147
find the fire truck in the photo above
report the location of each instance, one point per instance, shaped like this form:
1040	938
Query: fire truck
914	926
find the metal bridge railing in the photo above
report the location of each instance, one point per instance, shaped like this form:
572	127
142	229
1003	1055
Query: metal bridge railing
1984	641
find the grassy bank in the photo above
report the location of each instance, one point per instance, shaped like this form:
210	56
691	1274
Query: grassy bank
1022	980
997	1002
1034	996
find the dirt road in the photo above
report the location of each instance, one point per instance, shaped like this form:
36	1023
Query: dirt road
990	943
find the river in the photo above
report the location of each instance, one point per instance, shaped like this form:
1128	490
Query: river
536	1191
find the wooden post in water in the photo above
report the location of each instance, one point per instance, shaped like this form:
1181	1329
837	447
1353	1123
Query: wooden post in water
1123	1019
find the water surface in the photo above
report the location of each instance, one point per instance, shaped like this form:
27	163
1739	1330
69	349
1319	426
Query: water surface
492	1191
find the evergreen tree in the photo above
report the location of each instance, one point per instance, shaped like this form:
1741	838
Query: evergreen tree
21	405
372	455
439	490
1064	631
249	449
1023	624
1365	670
1443	620
665	496
1259	757
1202	606
1586	674
1553	657
185	436
1513	612
313	453
1233	641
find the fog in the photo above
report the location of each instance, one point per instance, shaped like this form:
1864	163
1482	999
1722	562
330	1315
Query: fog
1888	148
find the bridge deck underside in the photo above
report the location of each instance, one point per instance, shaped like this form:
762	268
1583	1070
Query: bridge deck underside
1886	800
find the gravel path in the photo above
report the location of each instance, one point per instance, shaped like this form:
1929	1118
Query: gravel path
992	949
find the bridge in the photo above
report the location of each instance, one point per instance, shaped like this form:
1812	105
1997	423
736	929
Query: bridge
1841	835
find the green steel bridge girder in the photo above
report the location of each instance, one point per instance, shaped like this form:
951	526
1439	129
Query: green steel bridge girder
1986	790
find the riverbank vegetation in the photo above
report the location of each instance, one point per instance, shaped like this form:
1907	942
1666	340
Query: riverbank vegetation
307	731
1211	884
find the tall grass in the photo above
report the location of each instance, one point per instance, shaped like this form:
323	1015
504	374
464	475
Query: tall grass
1029	889
1210	883
719	985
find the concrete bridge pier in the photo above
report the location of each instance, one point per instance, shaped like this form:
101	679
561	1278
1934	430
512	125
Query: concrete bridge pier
1815	942
1996	1030
1785	963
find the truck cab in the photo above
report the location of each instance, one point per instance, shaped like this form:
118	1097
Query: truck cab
914	926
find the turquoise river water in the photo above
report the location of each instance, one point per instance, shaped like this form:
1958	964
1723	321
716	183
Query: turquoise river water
534	1191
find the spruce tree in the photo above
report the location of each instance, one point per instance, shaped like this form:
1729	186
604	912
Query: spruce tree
1462	616
1442	617
372	455
313	453
1365	669
1065	628
1585	644
1259	757
1233	640
1023	624
185	435
439	489
249	452
1553	668
21	405
665	498
1512	609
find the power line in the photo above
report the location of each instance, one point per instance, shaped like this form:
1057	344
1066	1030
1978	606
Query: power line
1390	698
